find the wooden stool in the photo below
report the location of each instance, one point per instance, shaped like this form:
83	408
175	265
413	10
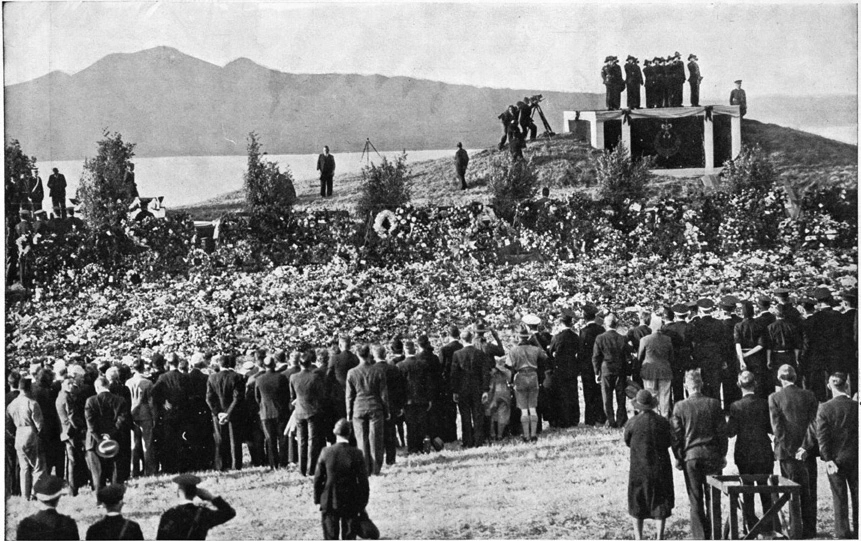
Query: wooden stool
736	485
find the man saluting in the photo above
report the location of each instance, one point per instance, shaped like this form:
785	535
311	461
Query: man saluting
190	521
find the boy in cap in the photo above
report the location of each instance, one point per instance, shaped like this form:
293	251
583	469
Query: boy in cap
48	523
113	525
190	521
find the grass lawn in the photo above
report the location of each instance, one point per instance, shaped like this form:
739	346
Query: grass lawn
572	484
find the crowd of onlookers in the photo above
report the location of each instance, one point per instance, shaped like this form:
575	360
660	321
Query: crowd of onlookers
101	422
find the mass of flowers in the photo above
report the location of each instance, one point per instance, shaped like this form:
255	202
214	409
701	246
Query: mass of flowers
288	279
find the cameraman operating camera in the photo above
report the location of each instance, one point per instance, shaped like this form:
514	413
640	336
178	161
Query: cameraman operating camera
524	117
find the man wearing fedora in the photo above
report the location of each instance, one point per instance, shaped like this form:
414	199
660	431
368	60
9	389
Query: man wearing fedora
189	520
694	78
48	523
341	485
677	76
611	74
106	414
113	525
633	80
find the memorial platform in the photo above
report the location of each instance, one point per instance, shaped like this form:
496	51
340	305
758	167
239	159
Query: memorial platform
693	138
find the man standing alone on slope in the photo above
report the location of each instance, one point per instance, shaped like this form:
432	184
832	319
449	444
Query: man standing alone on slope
326	166
461	160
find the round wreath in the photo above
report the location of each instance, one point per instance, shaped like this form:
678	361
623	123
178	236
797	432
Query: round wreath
385	223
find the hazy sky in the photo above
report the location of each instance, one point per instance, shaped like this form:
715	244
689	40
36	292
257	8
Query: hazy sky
792	49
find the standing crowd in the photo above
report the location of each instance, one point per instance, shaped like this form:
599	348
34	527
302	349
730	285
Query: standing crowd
101	423
663	78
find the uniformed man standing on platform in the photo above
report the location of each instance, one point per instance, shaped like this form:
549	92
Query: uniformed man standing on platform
677	75
190	521
611	73
649	83
633	81
694	79
738	97
660	82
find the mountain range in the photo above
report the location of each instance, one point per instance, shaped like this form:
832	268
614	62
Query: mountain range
172	104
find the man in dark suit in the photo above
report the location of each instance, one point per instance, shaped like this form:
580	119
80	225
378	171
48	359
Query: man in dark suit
790	312
336	374
434	372
273	395
750	422
594	414
507	117
700	446
634	336
48	523
677	330
106	414
729	375
190	521
57	192
199	426
610	358
170	397
326	166
792	410
633	80
694	79
448	422
73	428
224	393
611	73
461	161
419	390
837	433
821	344
707	348
367	408
470	378
649	82
396	394
563	350
849	300
677	70
113	525
341	485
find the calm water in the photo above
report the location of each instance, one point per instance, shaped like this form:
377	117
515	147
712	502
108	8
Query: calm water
186	180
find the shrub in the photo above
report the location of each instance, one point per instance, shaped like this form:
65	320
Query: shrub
511	183
384	187
750	170
621	179
104	193
266	186
18	164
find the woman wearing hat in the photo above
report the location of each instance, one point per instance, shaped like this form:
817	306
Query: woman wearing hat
650	481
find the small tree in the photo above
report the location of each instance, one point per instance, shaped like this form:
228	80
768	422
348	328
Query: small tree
18	163
621	179
266	186
511	183
386	186
752	169
104	191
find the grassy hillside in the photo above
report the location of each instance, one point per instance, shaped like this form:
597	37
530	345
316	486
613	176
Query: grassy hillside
572	484
566	165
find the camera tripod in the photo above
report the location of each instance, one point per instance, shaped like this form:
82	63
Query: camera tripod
548	130
367	150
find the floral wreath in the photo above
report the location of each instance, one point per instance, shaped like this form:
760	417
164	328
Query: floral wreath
380	223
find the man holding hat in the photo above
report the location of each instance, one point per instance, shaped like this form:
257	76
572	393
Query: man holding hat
821	346
708	348
48	523
633	80
188	520
113	525
594	414
611	356
341	485
694	79
738	97
106	414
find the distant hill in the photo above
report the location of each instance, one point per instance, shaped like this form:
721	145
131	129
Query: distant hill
566	165
172	104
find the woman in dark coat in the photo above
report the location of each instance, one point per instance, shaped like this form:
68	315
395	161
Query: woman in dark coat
650	482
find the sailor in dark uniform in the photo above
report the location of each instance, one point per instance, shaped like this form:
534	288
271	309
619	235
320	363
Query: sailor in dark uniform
48	523
738	97
191	521
728	321
677	330
649	83
633	80
660	82
790	312
677	76
113	525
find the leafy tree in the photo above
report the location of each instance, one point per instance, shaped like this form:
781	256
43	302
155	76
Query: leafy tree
266	186
384	187
511	183
105	192
18	164
621	179
751	169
